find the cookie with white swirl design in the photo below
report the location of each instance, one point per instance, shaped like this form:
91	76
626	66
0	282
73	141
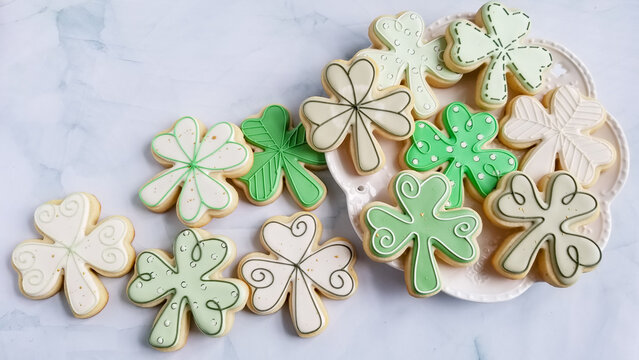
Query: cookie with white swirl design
74	247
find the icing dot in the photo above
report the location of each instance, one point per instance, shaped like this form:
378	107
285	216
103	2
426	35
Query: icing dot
384	57
153	275
203	286
195	305
452	183
455	129
447	203
411	52
167	322
413	16
390	76
480	136
385	25
415	161
436	48
174	306
480	176
417	33
421	125
183	248
160	340
381	68
183	284
420	89
413	70
214	256
436	137
150	259
169	272
396	42
476	158
223	245
407	32
449	149
433	158
424	58
193	264
420	144
398	60
216	300
463	144
489	119
492	157
234	293
138	284
455	108
427	106
457	164
439	67
511	161
469	123
160	290
214	322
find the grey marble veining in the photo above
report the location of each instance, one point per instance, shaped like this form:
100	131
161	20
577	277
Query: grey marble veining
84	85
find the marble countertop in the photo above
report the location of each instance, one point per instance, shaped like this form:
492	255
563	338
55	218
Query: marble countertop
84	85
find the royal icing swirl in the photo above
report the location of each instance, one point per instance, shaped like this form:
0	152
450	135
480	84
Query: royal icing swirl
496	40
189	282
298	265
418	228
563	130
406	56
199	163
550	219
463	148
73	246
284	153
356	107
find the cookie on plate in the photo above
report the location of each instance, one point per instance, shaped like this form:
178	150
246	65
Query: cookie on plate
562	131
420	230
189	284
463	148
74	247
297	267
281	152
198	164
356	108
495	42
550	220
403	55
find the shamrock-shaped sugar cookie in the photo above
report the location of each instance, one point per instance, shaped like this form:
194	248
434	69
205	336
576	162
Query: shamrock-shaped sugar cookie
356	108
299	268
198	164
550	219
403	54
191	282
495	41
561	131
463	149
74	247
420	229
285	153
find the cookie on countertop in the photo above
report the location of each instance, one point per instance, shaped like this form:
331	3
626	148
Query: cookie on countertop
297	267
74	247
198	164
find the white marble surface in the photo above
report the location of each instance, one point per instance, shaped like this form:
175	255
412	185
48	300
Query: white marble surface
84	85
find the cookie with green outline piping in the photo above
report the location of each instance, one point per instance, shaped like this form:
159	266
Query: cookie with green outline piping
198	162
190	284
495	43
549	221
282	156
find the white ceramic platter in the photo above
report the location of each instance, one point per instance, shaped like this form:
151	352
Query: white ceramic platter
481	282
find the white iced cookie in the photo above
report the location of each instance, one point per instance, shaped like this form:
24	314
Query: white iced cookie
357	108
549	219
402	54
564	131
297	265
198	164
74	247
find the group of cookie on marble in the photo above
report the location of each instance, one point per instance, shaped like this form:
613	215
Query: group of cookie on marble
386	90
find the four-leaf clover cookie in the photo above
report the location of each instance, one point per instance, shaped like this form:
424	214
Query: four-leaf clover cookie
297	267
463	148
561	131
402	54
550	220
74	247
356	108
497	42
198	164
420	229
190	282
285	153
